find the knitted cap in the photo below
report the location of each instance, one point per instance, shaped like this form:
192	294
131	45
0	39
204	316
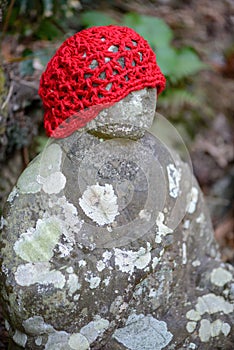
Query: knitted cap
92	70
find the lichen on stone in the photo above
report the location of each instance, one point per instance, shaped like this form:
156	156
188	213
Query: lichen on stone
36	326
57	340
184	253
32	273
14	193
127	260
191	326
220	277
40	172
37	244
162	229
94	281
73	283
143	333
193	315
210	330
50	159
212	304
192	199
95	328
174	177
27	182
53	183
20	338
209	304
78	342
100	265
100	203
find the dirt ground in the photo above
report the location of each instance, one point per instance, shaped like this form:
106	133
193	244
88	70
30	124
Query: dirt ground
208	27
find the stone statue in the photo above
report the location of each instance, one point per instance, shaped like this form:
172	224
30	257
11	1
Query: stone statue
106	242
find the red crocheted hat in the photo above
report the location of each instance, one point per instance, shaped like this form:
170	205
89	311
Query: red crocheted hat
92	70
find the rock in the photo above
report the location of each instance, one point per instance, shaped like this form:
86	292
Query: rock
68	279
107	244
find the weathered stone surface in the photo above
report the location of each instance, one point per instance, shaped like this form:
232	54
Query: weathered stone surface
107	244
130	117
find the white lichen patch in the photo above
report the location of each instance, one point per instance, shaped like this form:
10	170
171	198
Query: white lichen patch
7	325
38	341
57	341
67	215
94	281
100	265
211	304
196	263
50	160
36	326
3	222
193	315
184	253
106	281
82	263
201	218
99	203
145	215
155	262
14	193
220	277
210	330
127	260
43	166
143	333
95	329
72	221
186	224
174	177
54	183
29	274
27	182
20	338
78	341
106	256
37	244
162	230
4	269
73	284
70	269
116	305
192	199
191	326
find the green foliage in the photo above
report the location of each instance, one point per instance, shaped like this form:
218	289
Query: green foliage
41	142
26	67
176	64
153	29
47	30
175	99
42	19
52	18
96	18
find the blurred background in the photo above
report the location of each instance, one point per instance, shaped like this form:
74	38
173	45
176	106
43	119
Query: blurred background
194	44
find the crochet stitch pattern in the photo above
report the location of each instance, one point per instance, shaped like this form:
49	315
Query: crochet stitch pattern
92	70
